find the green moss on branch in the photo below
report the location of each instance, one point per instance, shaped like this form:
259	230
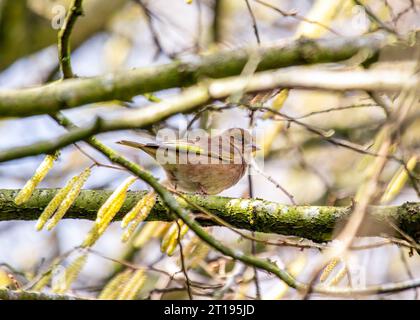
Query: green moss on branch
311	222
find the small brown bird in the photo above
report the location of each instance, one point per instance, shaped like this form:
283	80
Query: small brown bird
202	164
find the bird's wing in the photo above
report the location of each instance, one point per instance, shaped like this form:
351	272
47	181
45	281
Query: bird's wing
211	149
200	148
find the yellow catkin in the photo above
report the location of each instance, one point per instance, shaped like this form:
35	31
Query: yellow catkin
70	274
130	290
69	199
328	269
323	12
170	235
338	277
151	229
143	205
174	241
161	229
99	228
104	222
107	212
5	280
120	192
398	181
139	213
365	162
111	289
92	236
74	269
277	103
43	282
38	176
54	203
46	277
145	234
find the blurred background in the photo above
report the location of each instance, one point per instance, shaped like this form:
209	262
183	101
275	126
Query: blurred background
121	35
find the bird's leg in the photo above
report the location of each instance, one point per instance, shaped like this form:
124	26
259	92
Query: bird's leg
171	185
201	190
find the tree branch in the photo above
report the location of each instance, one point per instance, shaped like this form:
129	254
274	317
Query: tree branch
6	294
311	222
196	96
125	84
172	204
64	52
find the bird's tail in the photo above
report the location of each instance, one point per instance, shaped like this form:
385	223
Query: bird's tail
149	148
132	144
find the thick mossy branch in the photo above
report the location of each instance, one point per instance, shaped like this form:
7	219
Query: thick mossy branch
126	84
311	222
6	294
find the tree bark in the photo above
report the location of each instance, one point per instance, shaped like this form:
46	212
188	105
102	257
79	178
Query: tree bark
316	223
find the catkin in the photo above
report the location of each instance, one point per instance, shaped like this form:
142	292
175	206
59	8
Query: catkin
398	181
40	173
92	236
54	203
277	103
170	235
171	239
70	274
120	192
328	269
42	282
131	288
69	199
139	213
146	202
74	269
151	229
107	212
337	278
46	277
111	289
104	222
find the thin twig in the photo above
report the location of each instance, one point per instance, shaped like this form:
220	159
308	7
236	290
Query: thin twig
373	17
64	54
153	31
254	22
408	270
296	16
183	266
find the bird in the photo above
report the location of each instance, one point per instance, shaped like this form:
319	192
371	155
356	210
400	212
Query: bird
202	163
